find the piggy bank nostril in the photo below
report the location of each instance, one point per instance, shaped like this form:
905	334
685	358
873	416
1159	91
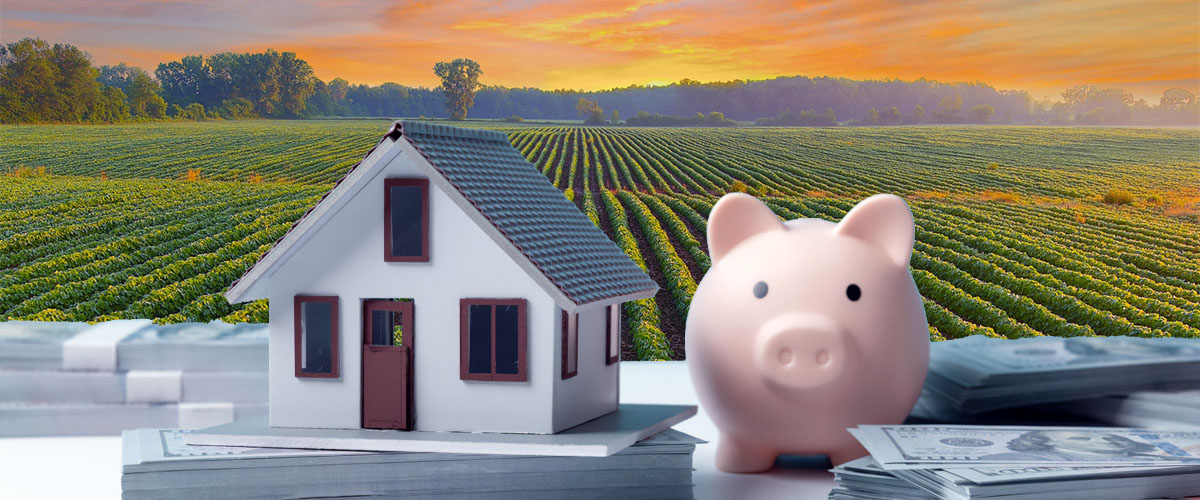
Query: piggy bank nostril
785	357
822	357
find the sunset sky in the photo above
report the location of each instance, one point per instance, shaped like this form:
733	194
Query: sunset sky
1044	47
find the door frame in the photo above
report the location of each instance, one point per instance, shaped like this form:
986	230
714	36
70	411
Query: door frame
406	308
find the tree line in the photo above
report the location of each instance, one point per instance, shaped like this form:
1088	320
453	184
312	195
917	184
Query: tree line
40	82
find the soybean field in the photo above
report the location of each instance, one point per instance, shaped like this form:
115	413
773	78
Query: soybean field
1021	231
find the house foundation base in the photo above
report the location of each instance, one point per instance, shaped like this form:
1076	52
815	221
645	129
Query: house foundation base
601	437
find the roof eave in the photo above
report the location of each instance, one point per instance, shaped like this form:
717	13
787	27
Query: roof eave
612	301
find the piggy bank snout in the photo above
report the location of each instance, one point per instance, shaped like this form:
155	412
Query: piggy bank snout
798	352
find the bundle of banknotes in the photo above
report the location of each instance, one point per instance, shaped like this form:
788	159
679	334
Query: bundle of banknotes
1151	409
1127	381
960	462
74	379
156	463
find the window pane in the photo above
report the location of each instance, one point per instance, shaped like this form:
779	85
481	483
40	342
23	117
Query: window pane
507	323
316	332
406	220
572	346
397	328
381	327
614	331
480	332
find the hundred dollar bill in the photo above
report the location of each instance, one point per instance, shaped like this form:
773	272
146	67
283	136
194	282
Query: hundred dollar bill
967	446
977	360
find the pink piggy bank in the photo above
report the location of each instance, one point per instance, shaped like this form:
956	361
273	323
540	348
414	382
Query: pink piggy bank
803	328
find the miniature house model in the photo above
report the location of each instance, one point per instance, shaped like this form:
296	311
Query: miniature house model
443	285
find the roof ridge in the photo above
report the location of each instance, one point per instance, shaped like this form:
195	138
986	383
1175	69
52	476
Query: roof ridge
437	129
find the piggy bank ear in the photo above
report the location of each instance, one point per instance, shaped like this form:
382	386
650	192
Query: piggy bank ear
735	217
883	221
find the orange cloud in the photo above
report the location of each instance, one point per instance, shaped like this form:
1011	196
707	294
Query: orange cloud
1045	47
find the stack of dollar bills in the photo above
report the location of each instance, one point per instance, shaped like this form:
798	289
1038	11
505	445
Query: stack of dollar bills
958	462
1157	410
59	379
156	463
976	379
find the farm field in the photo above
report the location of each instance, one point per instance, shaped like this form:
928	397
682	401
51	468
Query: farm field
1013	238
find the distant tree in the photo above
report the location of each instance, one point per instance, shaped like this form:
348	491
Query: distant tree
590	111
980	113
40	82
787	118
872	117
337	89
828	117
918	115
296	83
1117	104
237	109
193	111
713	119
1094	116
141	91
1079	94
949	110
1176	99
184	81
119	76
1060	113
143	96
111	107
1179	106
28	81
616	117
891	116
460	80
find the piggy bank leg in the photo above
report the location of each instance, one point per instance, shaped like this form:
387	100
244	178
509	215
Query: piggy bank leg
736	455
847	453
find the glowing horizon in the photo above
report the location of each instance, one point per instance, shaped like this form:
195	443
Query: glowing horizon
1044	48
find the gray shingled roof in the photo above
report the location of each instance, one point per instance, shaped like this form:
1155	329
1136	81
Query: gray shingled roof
533	214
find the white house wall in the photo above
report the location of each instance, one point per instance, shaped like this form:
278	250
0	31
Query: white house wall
345	258
592	392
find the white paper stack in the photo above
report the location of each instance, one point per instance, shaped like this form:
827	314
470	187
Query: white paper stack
158	464
59	379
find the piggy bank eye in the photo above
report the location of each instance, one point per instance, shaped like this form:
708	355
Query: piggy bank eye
760	289
853	292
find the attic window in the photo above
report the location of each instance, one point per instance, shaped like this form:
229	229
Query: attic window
406	220
492	340
612	328
316	347
570	345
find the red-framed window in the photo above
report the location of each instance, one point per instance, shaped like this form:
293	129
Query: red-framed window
406	220
492	340
316	347
612	334
570	345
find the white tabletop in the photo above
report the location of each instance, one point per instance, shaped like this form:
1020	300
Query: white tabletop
90	467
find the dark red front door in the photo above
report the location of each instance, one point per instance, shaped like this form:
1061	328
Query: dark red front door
387	364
